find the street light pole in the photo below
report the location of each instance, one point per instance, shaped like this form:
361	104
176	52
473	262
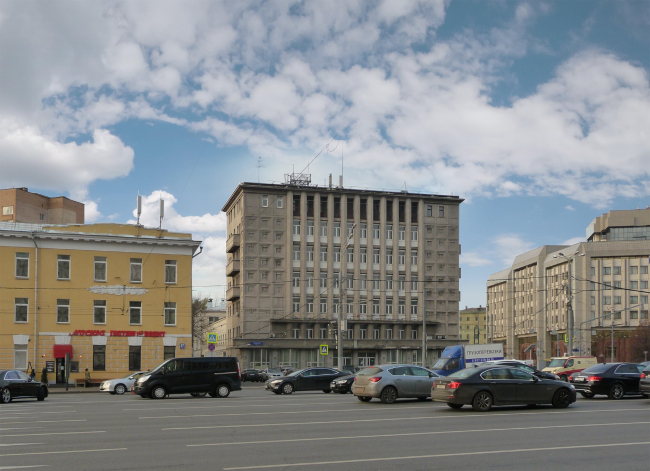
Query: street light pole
339	322
570	302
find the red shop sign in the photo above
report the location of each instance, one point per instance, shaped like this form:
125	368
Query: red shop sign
120	333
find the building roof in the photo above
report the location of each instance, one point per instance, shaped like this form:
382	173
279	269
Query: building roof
499	277
361	191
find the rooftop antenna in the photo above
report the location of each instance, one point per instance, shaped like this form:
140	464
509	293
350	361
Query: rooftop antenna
139	207
162	212
259	166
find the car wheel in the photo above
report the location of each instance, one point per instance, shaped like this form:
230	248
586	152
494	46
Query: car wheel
564	378
120	389
388	395
586	394
199	394
327	391
287	388
158	392
482	402
223	390
616	391
561	398
454	406
41	394
364	398
5	397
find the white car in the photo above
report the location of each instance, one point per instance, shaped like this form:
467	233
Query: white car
120	386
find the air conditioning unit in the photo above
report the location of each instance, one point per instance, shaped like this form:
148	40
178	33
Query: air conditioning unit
271	336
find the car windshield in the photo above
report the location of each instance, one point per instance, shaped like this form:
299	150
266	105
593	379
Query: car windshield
295	373
462	373
556	363
159	368
274	370
599	368
136	376
369	371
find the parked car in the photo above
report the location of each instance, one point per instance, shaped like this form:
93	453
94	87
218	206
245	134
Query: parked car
614	380
16	384
520	364
309	379
216	376
644	382
566	366
122	385
343	384
491	385
251	375
390	382
287	371
270	373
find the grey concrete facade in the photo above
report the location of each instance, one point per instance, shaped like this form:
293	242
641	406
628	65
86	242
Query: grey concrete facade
286	247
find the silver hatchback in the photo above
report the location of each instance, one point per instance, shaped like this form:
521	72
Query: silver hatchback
390	382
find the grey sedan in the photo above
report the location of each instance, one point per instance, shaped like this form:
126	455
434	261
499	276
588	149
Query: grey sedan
390	382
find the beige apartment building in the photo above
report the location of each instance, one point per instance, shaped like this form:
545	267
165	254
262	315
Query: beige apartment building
528	303
473	325
397	253
20	205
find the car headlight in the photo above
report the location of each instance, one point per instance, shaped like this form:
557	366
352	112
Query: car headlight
277	381
142	379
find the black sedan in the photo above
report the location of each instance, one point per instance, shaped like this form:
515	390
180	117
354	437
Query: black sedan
343	384
309	379
614	380
525	367
16	384
644	383
488	386
251	375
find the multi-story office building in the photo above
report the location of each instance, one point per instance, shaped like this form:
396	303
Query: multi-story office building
20	205
606	278
472	325
116	298
397	253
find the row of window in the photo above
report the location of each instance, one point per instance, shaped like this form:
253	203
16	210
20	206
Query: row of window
607	300
617	285
363	307
363	333
363	230
363	255
63	268
135	357
633	270
376	282
21	312
618	315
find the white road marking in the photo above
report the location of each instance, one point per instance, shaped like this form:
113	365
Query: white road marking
215	406
18	444
51	433
327	411
441	455
390	435
440	417
19	428
44	421
63	452
39	412
23	467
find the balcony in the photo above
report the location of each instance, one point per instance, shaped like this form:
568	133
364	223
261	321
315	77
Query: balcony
233	243
232	268
232	293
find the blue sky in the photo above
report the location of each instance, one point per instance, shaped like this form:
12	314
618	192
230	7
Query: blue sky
534	112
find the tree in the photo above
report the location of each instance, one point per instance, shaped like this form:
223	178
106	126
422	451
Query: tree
199	322
641	341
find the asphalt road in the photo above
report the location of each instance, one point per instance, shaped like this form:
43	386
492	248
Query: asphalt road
255	429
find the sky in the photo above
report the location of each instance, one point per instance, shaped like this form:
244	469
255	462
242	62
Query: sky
536	113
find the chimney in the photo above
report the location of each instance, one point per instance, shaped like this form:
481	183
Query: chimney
341	181
330	181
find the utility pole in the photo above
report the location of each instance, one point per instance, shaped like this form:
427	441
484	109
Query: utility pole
611	339
570	313
343	251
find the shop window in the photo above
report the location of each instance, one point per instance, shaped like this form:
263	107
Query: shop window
99	312
20	357
169	353
135	312
99	357
22	265
170	313
136	270
170	271
100	268
134	358
63	267
63	311
20	309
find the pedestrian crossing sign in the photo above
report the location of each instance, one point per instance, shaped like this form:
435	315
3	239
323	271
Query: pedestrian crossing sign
323	350
212	338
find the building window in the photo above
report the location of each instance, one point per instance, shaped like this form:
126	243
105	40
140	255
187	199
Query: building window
362	333
170	271
296	304
644	270
296	253
170	313
389	333
375	333
644	285
134	358
279	202
169	352
20	310
309	333
63	267
644	314
99	312
20	357
296	227
441	211
337	229
593	271
265	201
389	232
310	228
414	257
63	311
414	283
310	253
100	268
634	300
7	210
375	306
296	279
99	357
617	270
22	265
136	270
634	314
350	255
310	305
389	307
401	234
389	256
363	232
400	334
414	307
350	334
135	312
295	333
363	256
644	300
375	231
401	307
323	332
414	334
607	270
634	270
414	233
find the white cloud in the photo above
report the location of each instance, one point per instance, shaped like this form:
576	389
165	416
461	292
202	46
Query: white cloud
474	259
573	240
569	208
91	212
508	246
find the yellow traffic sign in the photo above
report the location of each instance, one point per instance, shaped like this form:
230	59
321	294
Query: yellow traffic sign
324	350
212	338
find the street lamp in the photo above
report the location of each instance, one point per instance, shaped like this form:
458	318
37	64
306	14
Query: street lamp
570	303
339	323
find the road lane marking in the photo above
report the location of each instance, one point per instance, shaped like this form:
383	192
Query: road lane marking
327	411
20	414
63	452
23	467
266	404
19	428
411	434
51	433
441	455
440	417
18	444
45	421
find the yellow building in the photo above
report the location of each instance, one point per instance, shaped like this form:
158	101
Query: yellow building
116	298
473	325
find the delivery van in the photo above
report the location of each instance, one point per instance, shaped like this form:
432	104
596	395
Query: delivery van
564	366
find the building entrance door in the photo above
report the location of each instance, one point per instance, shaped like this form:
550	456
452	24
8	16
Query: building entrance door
367	358
60	371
